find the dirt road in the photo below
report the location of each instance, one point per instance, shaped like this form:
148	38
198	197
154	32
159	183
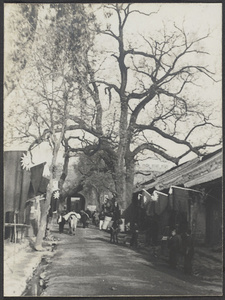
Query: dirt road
88	265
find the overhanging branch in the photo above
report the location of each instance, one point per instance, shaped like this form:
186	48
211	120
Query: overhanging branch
156	150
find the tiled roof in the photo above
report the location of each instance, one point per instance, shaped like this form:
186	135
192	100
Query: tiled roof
193	172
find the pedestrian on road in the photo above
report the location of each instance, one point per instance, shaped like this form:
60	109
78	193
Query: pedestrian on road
188	247
101	219
114	231
61	221
93	217
173	245
84	218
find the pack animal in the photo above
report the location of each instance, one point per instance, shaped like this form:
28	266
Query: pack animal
114	230
72	218
72	224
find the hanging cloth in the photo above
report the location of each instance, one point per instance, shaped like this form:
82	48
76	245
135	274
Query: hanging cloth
161	203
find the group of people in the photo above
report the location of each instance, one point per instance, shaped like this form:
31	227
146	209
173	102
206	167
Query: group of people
110	209
181	245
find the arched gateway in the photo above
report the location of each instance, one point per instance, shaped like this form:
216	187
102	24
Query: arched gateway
76	202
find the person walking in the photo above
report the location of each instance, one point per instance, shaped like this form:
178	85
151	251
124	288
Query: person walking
61	221
101	219
84	218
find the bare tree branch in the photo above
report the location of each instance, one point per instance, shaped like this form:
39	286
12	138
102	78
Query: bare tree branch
154	149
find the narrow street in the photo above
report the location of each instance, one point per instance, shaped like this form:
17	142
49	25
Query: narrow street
88	265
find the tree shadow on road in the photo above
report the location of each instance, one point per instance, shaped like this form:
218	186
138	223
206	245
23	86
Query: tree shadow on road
157	263
162	265
98	239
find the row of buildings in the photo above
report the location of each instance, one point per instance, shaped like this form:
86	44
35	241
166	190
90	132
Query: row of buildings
186	196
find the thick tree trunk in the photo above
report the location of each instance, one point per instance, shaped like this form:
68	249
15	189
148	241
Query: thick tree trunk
62	180
124	183
120	186
120	170
64	171
44	206
130	170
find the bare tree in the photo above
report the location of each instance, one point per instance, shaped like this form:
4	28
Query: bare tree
128	98
150	91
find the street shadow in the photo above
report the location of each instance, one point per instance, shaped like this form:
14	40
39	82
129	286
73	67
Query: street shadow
162	265
157	263
54	231
65	231
98	239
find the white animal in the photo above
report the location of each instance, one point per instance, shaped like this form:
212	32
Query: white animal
72	218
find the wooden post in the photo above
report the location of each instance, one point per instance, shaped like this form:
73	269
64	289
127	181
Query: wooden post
15	226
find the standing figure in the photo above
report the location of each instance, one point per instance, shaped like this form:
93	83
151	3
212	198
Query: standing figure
61	221
188	248
95	218
114	230
173	245
101	219
84	218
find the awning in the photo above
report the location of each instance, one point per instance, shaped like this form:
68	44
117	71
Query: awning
161	202
43	185
148	203
180	197
16	181
36	176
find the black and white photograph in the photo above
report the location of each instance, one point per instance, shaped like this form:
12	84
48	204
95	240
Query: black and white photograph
112	149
